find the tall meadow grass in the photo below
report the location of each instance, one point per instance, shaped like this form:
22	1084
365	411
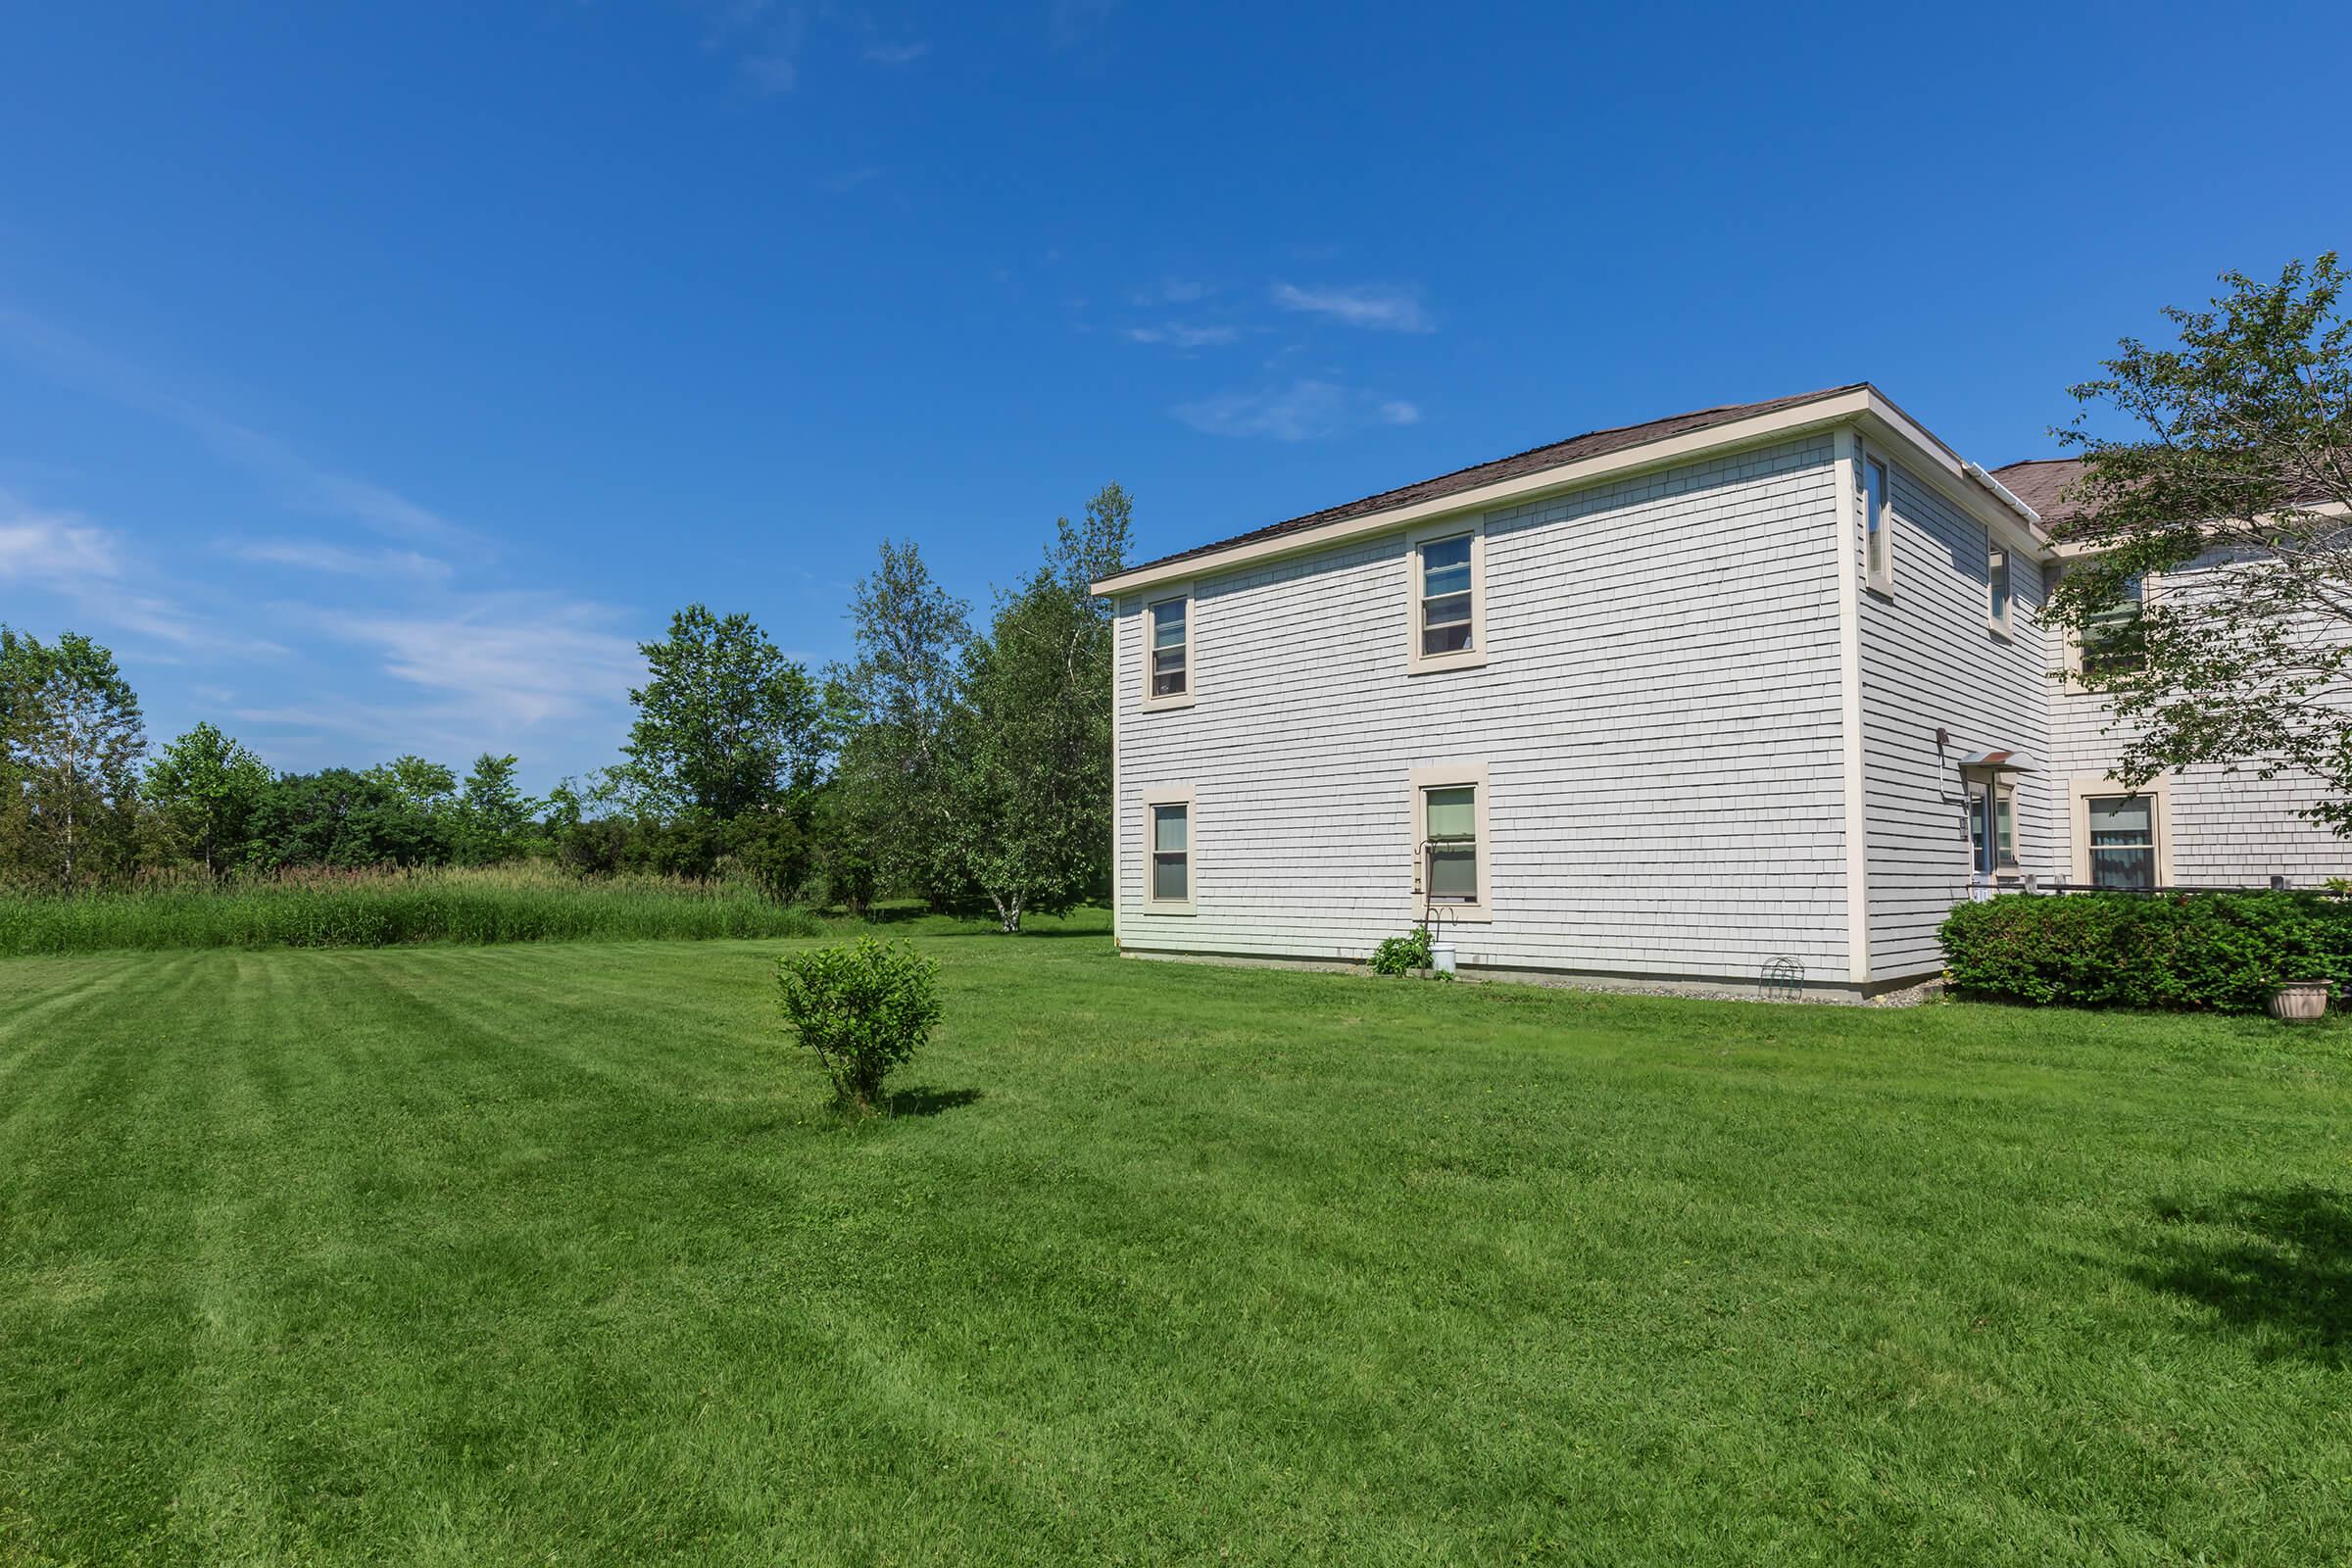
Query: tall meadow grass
373	908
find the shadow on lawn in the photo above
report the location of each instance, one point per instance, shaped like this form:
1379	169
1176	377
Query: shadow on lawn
927	1102
2276	1263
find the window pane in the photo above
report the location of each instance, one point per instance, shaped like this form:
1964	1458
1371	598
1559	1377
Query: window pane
1168	876
1999	563
1452	813
1446	566
1453	872
1445	639
1167	625
1168	673
2004	827
1168	825
2123	840
1453	609
1976	830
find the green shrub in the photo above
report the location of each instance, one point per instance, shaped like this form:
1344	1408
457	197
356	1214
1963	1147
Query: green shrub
864	1007
2218	951
1402	955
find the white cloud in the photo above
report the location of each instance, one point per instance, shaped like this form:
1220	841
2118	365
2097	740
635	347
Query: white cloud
312	555
851	178
1382	307
1182	335
502	660
897	54
54	550
1306	410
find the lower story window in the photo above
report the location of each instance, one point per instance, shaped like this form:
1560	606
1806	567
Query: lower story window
1171	853
2123	839
1450	830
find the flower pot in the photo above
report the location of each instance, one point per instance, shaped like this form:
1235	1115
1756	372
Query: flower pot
2299	1000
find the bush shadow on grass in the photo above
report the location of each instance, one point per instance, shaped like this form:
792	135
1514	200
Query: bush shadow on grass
924	1101
2274	1263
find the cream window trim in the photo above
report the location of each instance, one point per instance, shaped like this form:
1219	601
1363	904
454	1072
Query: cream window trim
2000	570
1877	564
2083	788
1452	775
1416	662
1171	594
1162	796
1994	788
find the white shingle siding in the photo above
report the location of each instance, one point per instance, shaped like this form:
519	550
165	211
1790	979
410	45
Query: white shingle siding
1659	717
1929	661
2225	829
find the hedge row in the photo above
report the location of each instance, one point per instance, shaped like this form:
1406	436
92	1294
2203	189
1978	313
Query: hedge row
2217	952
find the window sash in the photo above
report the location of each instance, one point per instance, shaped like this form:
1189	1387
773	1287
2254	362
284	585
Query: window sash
1171	853
2122	852
1168	648
1449	595
1998	570
1874	506
2110	642
1450	830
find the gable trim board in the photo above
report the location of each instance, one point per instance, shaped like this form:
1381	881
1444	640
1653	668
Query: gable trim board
1878	416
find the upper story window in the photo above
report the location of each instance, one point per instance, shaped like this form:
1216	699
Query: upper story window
1448	598
1997	591
2111	639
1168	651
1877	523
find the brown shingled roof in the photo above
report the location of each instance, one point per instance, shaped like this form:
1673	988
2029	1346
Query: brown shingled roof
2039	482
1591	444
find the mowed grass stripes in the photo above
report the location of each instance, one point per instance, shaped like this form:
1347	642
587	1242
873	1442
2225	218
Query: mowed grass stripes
551	1254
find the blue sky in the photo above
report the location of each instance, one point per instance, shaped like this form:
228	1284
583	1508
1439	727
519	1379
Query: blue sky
372	378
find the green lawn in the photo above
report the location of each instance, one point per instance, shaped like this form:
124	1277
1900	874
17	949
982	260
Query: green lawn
550	1255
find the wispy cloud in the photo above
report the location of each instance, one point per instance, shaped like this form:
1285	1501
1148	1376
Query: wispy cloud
1173	291
850	178
1382	307
1306	410
1071	22
500	661
299	481
54	550
315	555
1182	335
91	569
897	54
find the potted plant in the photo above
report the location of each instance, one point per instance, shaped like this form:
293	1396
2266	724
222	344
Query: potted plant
2299	1000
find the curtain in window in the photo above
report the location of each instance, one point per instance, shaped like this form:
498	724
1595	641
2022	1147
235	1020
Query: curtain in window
2123	840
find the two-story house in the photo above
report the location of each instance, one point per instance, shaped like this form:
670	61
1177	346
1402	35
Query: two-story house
1757	685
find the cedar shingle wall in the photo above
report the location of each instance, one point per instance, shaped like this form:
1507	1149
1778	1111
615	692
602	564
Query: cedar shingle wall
1659	718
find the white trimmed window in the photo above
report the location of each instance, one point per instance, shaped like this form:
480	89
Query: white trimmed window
1168	651
1877	523
1997	593
1168	852
2121	837
1451	852
1448	566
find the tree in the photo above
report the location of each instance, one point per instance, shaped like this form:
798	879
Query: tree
495	818
206	786
340	817
73	738
891	708
2235	483
725	723
1033	752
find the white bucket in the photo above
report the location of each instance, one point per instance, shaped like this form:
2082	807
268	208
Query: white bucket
1440	958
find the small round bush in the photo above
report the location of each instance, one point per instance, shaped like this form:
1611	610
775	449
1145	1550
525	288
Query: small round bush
864	1007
